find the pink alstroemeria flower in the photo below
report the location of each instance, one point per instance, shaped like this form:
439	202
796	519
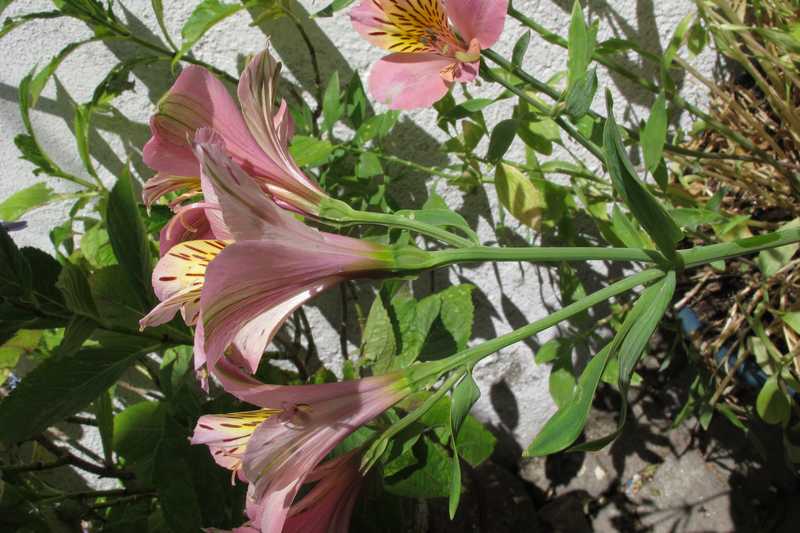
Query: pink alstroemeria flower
256	137
241	290
430	52
284	451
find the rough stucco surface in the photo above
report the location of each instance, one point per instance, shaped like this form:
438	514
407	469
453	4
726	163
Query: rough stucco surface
515	396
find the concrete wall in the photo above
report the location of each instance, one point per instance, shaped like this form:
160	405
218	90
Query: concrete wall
515	391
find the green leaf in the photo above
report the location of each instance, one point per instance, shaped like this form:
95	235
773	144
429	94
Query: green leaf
455	486
172	477
15	271
772	260
368	165
413	321
551	350
128	236
96	247
650	214
562	379
580	95
82	115
519	196
772	405
158	11
648	311
137	431
25	341
465	394
23	201
332	108
12	23
581	46
502	136
520	47
310	152
654	134
376	127
421	472
104	414
378	343
442	217
63	385
625	230
74	285
207	14
333	7
457	312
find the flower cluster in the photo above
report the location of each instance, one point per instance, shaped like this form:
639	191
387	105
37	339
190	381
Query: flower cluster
237	258
236	262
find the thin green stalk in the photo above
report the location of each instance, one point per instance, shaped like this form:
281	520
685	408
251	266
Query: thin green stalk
471	356
542	254
716	252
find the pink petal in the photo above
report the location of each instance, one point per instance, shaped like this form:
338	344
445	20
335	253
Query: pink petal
167	156
478	19
409	81
199	100
188	224
248	213
271	127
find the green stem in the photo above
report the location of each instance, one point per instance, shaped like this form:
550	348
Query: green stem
716	252
471	356
405	162
488	75
542	254
397	221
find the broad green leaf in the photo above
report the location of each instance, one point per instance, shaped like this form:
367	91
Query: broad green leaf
650	214
332	107
128	236
76	332
457	312
539	134
23	201
137	431
580	95
474	442
422	472
378	343
376	127
519	196
566	424
551	350
413	322
501	138
82	115
310	152
625	230
104	414
207	14
63	385
654	134
96	247
648	311
581	45
74	285
172	477
471	135
562	380
465	394
772	260
520	47
355	102
792	319
772	405
23	342
691	218
368	165
15	271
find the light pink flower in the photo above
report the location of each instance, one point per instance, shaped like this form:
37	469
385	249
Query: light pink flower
245	287
430	52
284	451
256	136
